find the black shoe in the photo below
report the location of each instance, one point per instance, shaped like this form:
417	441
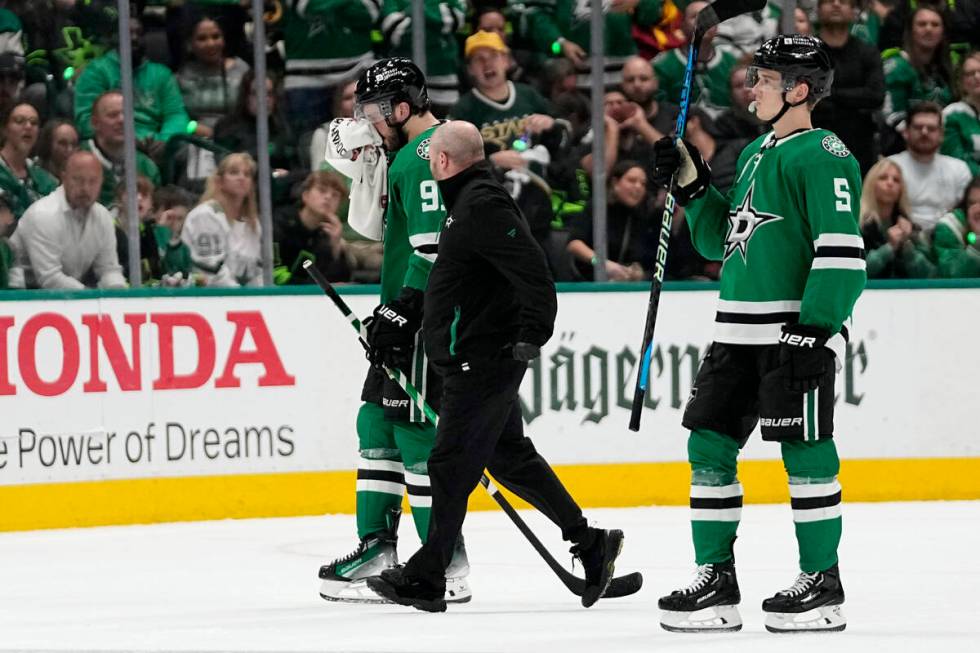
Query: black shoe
599	561
395	586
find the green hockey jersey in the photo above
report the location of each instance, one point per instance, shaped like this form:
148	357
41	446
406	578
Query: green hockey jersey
548	20
962	134
413	219
904	86
710	89
443	19
958	258
327	41
158	108
788	236
501	123
22	193
11	33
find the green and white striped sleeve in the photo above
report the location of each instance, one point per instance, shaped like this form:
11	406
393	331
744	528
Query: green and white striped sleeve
831	192
425	213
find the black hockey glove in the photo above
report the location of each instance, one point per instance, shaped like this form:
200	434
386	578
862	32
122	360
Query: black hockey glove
392	329
683	162
803	348
526	352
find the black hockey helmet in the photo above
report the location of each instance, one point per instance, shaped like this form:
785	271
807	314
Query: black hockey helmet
799	58
385	84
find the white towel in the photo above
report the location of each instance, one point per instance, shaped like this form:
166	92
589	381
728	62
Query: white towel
354	149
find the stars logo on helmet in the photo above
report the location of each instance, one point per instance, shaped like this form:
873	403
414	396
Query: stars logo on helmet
743	222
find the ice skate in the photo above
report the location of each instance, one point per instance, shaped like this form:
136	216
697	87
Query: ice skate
599	562
811	605
707	605
344	578
457	586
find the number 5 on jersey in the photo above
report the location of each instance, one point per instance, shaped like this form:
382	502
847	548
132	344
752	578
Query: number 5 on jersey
431	201
843	194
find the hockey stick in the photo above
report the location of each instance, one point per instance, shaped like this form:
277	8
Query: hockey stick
717	12
619	586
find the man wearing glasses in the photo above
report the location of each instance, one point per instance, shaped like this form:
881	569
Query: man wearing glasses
935	182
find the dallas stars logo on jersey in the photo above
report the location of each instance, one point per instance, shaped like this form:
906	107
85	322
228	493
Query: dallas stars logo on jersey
743	222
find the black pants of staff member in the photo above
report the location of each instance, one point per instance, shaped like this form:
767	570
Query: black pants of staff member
481	427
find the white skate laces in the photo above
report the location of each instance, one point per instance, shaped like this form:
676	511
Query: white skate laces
804	583
702	578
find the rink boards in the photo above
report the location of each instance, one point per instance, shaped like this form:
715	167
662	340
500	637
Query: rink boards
143	406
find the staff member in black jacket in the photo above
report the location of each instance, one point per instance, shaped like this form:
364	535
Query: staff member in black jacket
489	307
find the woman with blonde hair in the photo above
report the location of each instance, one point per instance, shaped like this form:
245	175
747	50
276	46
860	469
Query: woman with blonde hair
223	231
893	245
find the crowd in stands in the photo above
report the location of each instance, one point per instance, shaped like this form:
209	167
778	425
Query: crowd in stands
905	101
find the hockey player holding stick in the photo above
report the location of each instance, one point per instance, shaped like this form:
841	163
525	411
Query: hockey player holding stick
793	270
394	436
489	308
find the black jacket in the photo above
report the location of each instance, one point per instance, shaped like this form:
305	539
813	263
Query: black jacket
490	286
296	243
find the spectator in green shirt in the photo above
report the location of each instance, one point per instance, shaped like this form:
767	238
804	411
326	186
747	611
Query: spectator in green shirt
159	108
23	182
962	119
171	205
957	237
920	71
563	28
107	144
710	89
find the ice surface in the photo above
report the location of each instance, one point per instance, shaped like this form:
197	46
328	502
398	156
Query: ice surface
910	571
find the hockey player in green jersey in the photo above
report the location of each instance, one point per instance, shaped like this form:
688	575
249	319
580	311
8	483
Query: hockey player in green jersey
394	436
793	268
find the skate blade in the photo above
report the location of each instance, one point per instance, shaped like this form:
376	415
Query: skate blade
457	591
355	591
716	619
825	619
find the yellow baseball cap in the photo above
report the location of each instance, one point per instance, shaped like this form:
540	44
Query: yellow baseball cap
483	39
